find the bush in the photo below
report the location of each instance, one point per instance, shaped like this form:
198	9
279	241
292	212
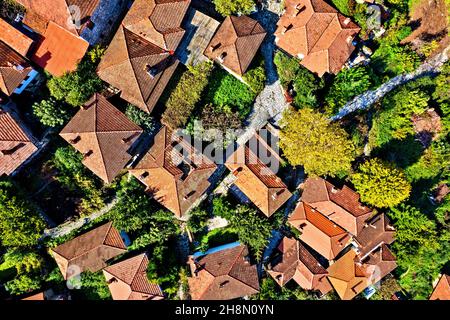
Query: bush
186	95
381	184
222	120
256	77
140	117
51	113
94	286
23	284
230	7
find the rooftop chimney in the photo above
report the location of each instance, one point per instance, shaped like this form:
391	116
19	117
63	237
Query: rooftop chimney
298	8
75	140
215	47
144	175
87	154
347	21
287	28
151	71
349	39
222	56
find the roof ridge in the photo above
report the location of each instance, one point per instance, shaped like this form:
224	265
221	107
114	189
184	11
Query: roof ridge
326	29
137	269
98	145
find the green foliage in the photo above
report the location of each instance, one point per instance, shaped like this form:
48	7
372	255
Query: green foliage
287	67
94	286
421	250
23	284
224	90
51	113
24	261
381	184
20	223
252	230
67	159
230	7
198	220
220	118
96	54
343	6
309	139
186	95
348	84
256	77
140	117
217	237
270	290
76	87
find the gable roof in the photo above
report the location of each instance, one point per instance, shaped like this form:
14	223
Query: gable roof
15	145
174	181
319	232
223	275
315	30
59	51
127	280
104	135
239	38
13	69
340	205
375	232
296	262
61	12
89	251
379	263
14	38
256	179
442	289
140	59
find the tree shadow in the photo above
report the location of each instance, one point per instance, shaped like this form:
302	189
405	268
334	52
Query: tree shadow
401	152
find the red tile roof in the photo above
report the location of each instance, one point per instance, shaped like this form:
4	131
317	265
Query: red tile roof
59	51
442	289
342	206
237	40
104	135
14	38
174	182
15	145
376	231
140	61
127	280
296	262
317	231
256	179
318	33
89	251
13	69
223	275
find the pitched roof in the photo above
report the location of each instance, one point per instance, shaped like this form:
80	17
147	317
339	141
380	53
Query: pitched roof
223	275
127	280
140	61
14	38
13	69
442	289
296	262
317	32
319	232
342	206
104	135
61	12
254	165
174	172
379	263
374	233
89	251
15	145
237	41
59	51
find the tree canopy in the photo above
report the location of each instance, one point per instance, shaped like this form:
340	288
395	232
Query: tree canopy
230	7
51	113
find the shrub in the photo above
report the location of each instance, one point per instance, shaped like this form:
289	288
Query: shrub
220	119
256	77
230	7
51	113
23	284
140	117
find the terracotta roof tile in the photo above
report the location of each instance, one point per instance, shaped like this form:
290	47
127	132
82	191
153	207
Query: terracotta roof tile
442	289
59	51
89	251
15	145
14	38
104	135
223	275
13	69
238	38
127	280
376	232
178	185
314	31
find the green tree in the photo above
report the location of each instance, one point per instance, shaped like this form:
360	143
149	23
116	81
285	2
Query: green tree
381	184
20	223
309	139
51	113
256	77
140	117
24	261
23	284
230	7
287	67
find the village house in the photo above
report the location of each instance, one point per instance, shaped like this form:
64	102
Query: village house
92	20
236	43
175	174
317	34
442	289
16	146
223	273
254	166
140	59
89	251
294	261
127	280
104	136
